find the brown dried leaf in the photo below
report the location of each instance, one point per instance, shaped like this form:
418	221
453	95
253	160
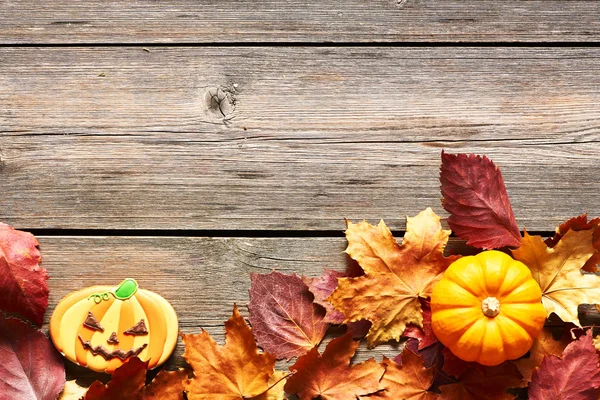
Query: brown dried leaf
233	371
409	381
330	375
396	276
580	223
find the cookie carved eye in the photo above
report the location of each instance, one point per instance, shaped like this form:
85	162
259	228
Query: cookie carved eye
92	323
138	329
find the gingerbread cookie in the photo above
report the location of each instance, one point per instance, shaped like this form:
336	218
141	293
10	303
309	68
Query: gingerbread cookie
100	327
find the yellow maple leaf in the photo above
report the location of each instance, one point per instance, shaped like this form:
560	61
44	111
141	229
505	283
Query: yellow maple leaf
396	276
277	383
72	391
558	272
233	371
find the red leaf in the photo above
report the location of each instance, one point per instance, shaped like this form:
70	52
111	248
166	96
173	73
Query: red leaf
23	288
425	336
30	366
476	198
126	383
574	377
322	288
284	319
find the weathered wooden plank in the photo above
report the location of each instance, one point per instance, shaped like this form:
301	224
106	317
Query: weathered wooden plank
201	277
288	138
212	21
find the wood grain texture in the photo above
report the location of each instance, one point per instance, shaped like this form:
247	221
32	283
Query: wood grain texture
288	138
201	277
212	21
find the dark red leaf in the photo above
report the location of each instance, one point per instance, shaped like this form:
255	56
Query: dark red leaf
453	365
430	355
126	383
480	382
30	366
574	377
284	319
475	196
359	329
425	336
23	288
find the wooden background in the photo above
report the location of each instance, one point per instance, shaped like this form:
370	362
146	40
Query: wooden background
188	144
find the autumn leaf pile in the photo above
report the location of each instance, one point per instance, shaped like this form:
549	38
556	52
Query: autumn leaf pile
386	299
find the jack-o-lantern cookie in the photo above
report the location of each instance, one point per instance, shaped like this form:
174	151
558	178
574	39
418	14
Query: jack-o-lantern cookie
100	327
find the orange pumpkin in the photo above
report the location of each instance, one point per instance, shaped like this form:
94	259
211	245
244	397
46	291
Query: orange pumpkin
487	308
100	327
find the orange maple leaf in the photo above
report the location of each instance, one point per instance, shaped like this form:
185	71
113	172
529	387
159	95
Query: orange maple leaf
409	381
396	276
329	376
542	346
233	371
558	272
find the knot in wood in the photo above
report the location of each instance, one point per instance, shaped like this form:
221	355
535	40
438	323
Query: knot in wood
219	105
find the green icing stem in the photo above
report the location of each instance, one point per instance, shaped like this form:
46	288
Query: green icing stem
124	291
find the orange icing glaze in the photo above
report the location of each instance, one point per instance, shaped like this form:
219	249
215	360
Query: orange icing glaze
86	333
126	321
62	307
138	313
157	326
171	324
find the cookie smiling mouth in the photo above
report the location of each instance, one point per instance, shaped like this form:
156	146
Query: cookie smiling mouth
109	355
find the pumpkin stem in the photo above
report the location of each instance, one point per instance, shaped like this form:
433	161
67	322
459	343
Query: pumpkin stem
490	307
126	289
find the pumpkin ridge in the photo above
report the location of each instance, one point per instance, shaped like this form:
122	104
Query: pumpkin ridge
516	323
99	310
140	313
466	288
99	338
65	304
126	320
157	327
171	321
